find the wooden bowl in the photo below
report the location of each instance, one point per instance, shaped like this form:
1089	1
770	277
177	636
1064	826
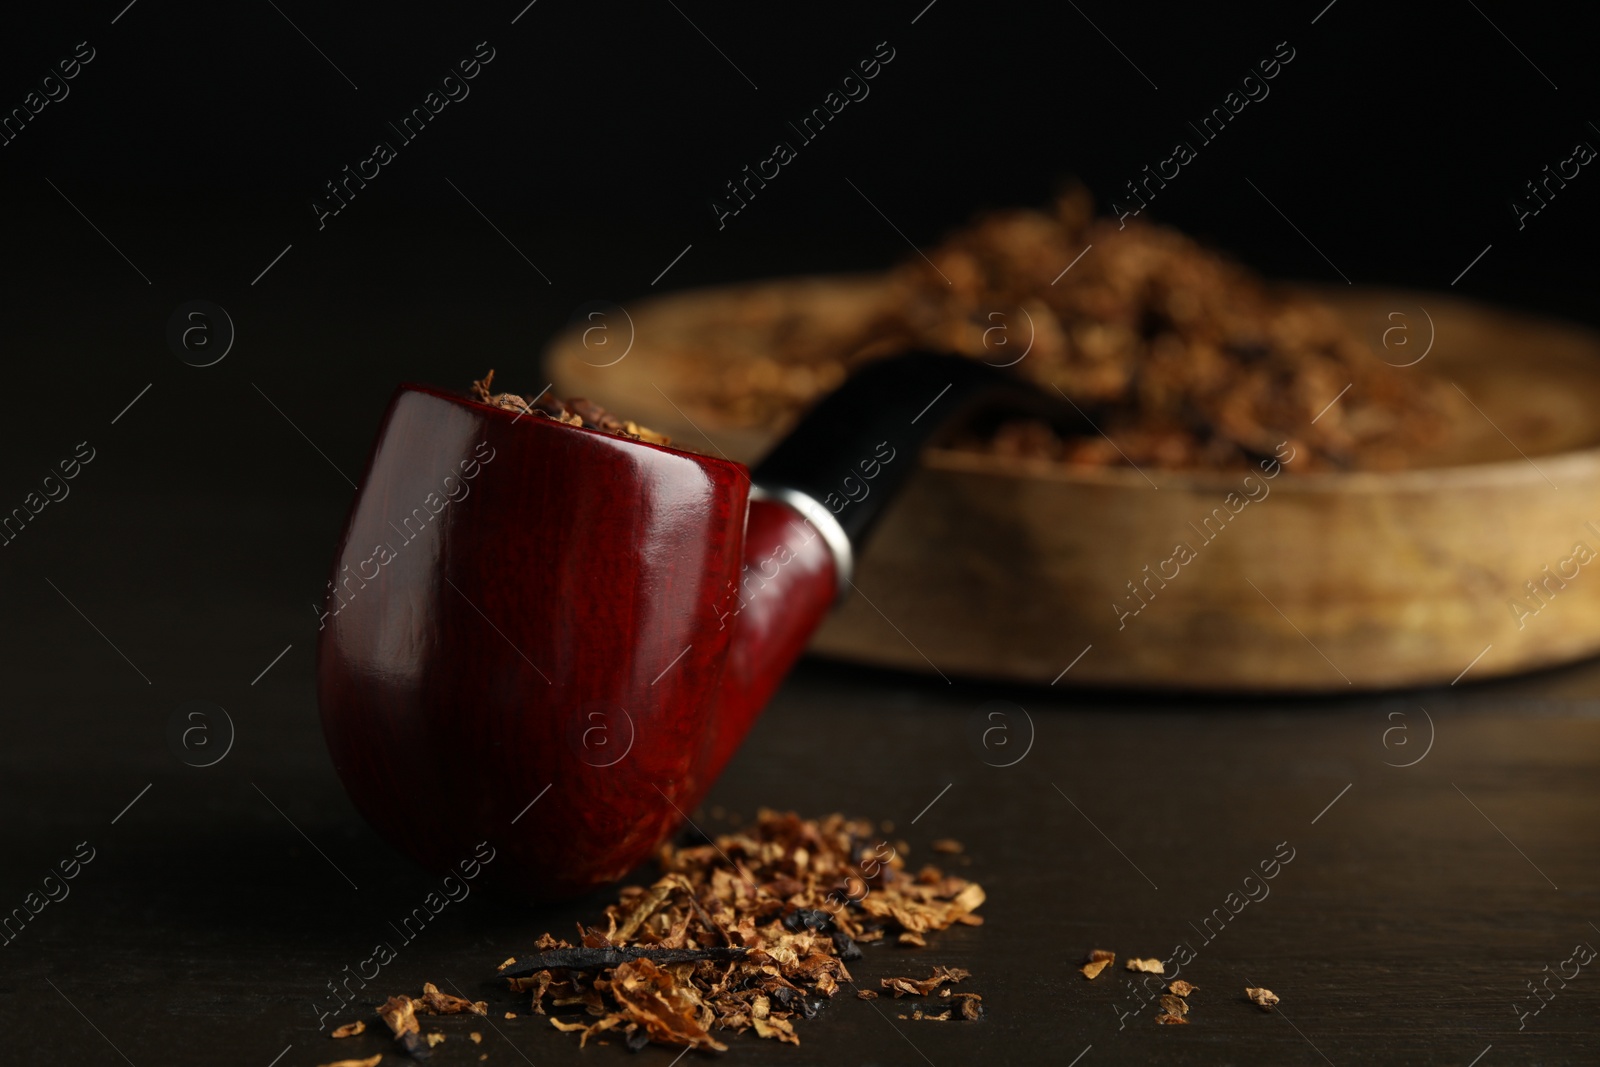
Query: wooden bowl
1477	563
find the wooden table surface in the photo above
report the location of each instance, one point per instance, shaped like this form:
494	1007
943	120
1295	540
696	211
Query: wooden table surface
1418	905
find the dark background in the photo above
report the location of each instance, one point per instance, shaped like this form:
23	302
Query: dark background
193	547
199	136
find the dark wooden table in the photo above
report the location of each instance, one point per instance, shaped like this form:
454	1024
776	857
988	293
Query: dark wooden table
221	901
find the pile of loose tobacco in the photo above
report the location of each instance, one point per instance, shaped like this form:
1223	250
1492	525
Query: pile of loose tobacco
1182	358
574	412
748	932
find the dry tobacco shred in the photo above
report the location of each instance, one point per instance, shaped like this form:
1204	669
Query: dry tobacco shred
754	946
574	412
370	1061
1184	359
1145	966
911	987
1261	998
433	1002
1174	1009
586	1030
1098	960
399	1013
350	1029
671	1011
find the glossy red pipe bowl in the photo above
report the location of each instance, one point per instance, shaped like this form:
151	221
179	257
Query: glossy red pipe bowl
527	639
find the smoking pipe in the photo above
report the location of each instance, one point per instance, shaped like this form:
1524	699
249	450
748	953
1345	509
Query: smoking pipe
552	639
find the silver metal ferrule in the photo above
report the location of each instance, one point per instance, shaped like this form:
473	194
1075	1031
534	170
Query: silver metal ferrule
820	519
